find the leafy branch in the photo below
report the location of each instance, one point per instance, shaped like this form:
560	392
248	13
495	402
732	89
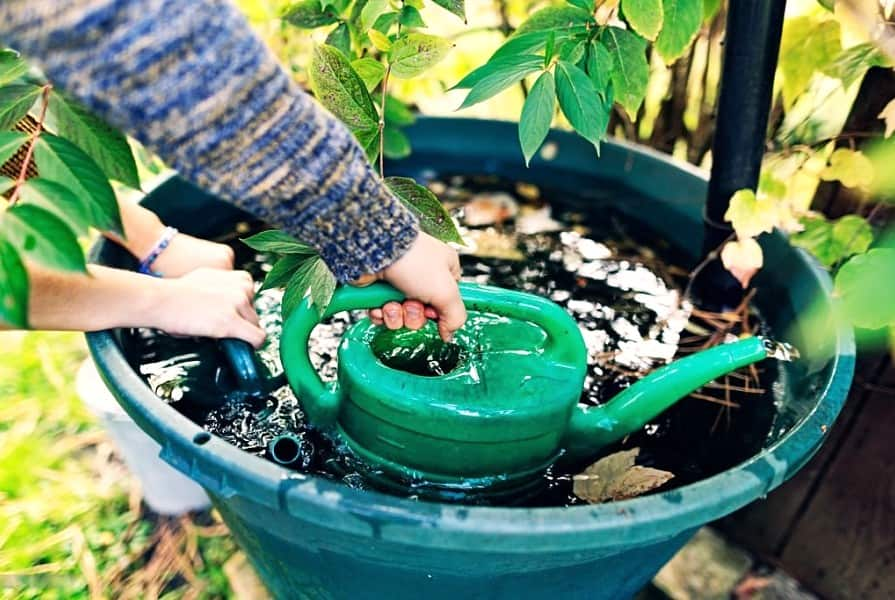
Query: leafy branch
32	141
74	155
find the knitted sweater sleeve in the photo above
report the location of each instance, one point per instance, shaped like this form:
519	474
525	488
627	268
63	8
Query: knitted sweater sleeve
190	80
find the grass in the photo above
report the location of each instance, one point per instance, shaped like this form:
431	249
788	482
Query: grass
71	522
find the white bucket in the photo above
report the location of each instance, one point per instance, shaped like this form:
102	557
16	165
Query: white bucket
165	490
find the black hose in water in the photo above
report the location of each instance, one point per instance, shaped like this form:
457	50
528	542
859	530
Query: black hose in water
290	450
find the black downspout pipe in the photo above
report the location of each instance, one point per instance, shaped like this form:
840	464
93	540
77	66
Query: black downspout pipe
751	45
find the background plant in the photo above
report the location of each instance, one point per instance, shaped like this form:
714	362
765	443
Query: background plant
584	57
825	55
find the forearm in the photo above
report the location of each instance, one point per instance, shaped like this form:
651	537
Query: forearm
189	80
104	299
142	229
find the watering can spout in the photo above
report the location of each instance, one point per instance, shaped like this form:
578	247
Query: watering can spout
590	429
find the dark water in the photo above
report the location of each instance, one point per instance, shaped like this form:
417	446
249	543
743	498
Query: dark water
601	268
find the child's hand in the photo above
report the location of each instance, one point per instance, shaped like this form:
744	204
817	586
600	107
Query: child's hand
209	303
428	275
186	253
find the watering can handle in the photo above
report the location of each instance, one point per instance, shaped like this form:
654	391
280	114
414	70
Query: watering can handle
321	402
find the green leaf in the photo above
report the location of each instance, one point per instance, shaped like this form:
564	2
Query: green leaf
851	167
710	8
385	22
340	89
370	70
61	161
15	102
283	270
508	63
340	38
57	199
572	51
807	45
866	286
580	102
6	184
682	19
853	233
599	66
411	17
42	237
314	277
751	215
455	6
499	75
433	217
549	48
104	144
11	66
397	113
537	114
882	155
587	5
13	287
10	142
831	242
280	242
309	14
323	285
644	16
554	18
851	64
630	71
396	145
817	238
298	286
415	52
379	40
371	11
531	42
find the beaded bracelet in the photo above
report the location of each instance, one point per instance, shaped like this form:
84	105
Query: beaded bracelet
160	245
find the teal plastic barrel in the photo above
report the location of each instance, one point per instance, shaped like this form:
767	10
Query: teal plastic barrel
313	538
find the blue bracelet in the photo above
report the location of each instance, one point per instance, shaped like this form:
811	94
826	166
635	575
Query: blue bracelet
160	245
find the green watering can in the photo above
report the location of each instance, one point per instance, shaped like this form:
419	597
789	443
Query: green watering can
508	406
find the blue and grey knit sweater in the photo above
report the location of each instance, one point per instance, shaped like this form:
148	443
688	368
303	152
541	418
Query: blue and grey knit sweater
190	80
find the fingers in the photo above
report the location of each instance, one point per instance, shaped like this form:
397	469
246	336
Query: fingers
228	257
451	312
246	284
247	311
393	315
244	330
414	314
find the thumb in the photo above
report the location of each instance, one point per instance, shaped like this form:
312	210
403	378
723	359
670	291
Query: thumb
451	312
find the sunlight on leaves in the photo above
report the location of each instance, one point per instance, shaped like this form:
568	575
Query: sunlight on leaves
751	215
